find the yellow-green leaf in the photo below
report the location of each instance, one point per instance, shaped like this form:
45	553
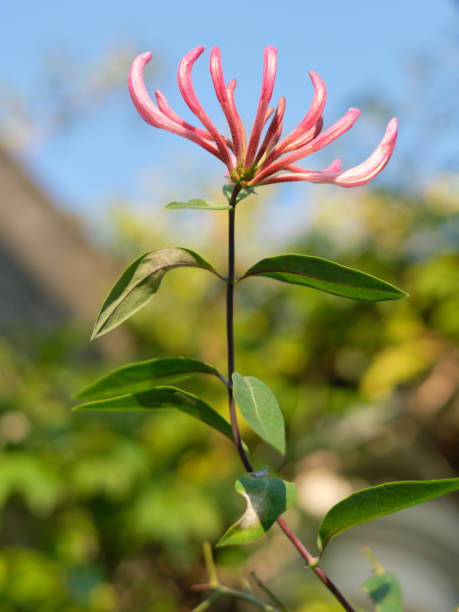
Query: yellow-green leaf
260	409
196	204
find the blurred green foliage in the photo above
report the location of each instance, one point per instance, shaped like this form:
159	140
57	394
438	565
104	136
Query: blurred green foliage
108	512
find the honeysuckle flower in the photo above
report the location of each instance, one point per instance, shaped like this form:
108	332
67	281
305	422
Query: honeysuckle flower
258	160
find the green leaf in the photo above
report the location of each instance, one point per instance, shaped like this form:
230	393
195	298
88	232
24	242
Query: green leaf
143	375
162	397
197	204
325	275
374	502
244	193
384	589
260	409
267	498
139	282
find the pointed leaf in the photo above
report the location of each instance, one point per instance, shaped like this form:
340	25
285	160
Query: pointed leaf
374	502
267	498
384	589
139	282
260	408
197	204
244	193
143	375
162	397
327	276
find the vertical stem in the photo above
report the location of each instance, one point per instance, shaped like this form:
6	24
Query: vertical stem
230	329
310	560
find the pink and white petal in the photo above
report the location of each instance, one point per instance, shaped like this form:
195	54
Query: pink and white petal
230	92
310	134
139	95
334	167
153	115
354	177
185	84
269	76
216	72
332	133
309	121
328	175
371	167
167	110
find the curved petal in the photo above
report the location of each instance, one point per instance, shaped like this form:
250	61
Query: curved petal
332	133
240	127
216	72
371	167
334	167
139	95
185	84
301	174
307	137
269	76
354	177
166	109
309	121
153	115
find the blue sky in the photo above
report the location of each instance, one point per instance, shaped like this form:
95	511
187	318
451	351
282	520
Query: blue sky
357	47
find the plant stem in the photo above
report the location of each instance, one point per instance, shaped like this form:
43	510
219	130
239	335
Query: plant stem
205	605
210	564
303	551
268	592
220	590
312	563
230	331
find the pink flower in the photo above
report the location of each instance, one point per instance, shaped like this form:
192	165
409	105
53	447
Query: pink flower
249	162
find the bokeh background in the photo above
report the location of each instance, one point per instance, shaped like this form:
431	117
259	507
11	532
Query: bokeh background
108	512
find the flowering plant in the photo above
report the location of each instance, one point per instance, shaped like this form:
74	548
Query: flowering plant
251	163
262	158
